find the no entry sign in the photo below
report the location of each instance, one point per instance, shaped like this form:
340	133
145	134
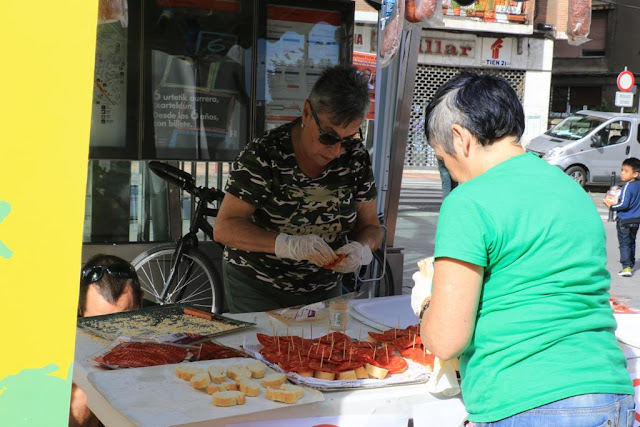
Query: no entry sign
626	81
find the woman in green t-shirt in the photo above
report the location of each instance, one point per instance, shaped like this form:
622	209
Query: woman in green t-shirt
520	287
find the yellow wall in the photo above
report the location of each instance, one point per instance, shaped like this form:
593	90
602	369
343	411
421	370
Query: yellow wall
46	77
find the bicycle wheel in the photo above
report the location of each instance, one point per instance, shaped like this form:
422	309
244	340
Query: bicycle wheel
196	280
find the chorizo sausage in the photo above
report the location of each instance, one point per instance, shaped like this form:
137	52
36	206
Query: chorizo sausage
419	10
579	18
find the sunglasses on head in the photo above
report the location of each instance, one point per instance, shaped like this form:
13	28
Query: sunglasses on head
95	273
329	138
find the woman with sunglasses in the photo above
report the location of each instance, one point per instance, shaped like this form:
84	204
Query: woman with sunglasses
299	199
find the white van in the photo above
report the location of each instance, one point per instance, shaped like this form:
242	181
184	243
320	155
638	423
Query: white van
590	145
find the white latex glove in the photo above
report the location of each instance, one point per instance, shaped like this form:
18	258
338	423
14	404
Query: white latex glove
422	284
308	247
357	255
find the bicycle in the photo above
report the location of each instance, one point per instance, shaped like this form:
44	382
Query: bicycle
180	272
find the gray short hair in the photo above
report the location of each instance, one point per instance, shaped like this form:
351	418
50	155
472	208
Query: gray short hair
443	116
486	105
343	93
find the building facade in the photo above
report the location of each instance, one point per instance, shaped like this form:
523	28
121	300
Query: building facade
584	76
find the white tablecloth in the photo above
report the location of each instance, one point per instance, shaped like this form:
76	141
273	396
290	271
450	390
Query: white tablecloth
393	400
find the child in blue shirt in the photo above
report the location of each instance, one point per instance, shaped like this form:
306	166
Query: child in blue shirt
628	209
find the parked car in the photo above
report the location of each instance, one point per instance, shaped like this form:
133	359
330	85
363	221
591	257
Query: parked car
590	145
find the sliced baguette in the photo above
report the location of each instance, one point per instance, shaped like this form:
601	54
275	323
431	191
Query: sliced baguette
185	371
249	387
228	398
299	391
217	374
375	372
257	368
200	380
322	375
361	373
347	375
237	371
273	380
284	396
230	386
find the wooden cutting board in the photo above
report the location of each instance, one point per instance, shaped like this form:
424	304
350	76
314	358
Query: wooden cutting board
155	396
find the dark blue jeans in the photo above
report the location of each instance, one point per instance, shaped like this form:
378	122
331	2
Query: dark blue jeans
627	243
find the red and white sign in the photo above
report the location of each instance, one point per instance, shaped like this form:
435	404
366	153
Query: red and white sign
626	81
496	52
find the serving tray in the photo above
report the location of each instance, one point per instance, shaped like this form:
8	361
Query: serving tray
158	321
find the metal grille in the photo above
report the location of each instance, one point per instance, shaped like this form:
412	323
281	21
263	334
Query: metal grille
428	79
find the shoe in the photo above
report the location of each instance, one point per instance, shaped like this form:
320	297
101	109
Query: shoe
626	272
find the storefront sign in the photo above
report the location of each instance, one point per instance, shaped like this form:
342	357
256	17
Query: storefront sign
364	38
496	52
447	47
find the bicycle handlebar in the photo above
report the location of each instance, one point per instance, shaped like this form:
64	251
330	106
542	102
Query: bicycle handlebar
173	175
186	181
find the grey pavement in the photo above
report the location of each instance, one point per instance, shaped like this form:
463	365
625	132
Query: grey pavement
420	200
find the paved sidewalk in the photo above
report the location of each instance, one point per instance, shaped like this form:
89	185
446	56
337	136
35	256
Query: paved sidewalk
420	200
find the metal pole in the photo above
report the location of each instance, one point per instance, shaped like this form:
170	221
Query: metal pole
613	182
622	108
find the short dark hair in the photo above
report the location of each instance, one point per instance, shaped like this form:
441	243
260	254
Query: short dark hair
111	288
633	163
341	92
485	105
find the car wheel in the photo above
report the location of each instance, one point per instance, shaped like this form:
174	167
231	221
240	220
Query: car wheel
578	174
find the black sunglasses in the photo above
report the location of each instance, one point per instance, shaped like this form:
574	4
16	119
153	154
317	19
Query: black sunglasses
95	273
328	138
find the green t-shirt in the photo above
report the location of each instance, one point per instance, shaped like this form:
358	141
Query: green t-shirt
544	328
266	175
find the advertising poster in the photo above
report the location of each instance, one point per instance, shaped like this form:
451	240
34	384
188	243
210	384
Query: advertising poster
366	65
200	106
45	145
300	43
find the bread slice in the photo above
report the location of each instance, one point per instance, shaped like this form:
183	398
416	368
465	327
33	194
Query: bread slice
249	387
347	375
257	368
299	391
273	380
361	373
375	372
217	374
230	386
284	396
228	398
237	371
186	371
200	380
322	375
306	373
